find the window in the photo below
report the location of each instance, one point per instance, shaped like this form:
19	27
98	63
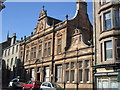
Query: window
117	19
16	60
72	72
108	50
87	75
107	17
13	50
80	75
47	74
67	65
17	48
59	42
34	52
8	62
118	49
8	52
80	71
59	73
67	73
11	61
40	51
27	54
67	76
47	49
80	64
87	63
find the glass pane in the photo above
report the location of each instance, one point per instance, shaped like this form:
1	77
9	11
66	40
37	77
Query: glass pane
80	64
87	74
49	51
49	43
87	63
118	53
117	20
107	16
118	43
109	54
109	44
80	75
108	24
59	73
72	65
59	41
59	49
72	75
67	65
67	75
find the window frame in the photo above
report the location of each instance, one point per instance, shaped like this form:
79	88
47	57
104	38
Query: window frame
107	19
106	49
59	46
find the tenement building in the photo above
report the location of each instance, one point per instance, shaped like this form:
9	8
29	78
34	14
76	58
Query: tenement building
107	43
11	60
60	51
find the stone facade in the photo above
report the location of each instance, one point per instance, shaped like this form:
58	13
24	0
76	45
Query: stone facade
60	51
106	36
11	60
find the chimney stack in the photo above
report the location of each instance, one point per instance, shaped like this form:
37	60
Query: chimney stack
13	39
81	5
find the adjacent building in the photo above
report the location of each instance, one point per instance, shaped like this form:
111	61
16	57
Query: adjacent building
11	60
106	19
60	51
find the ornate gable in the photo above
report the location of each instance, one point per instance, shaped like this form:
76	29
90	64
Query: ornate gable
41	21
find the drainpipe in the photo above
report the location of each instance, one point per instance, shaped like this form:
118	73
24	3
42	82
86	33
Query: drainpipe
94	37
53	45
24	56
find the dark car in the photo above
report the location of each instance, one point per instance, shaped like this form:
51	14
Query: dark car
32	85
16	83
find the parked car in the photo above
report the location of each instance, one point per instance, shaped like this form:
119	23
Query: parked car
32	85
16	83
50	86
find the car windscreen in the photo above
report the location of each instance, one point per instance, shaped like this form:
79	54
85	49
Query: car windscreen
56	85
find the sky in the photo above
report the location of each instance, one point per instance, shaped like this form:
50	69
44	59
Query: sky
21	17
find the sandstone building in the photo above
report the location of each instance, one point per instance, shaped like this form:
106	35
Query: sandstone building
60	51
106	19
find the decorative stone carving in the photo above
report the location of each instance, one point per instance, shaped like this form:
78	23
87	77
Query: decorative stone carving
76	31
41	25
59	34
47	38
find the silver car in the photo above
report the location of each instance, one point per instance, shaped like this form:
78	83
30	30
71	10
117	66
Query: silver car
50	86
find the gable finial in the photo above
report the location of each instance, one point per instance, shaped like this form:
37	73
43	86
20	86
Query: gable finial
8	35
43	7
